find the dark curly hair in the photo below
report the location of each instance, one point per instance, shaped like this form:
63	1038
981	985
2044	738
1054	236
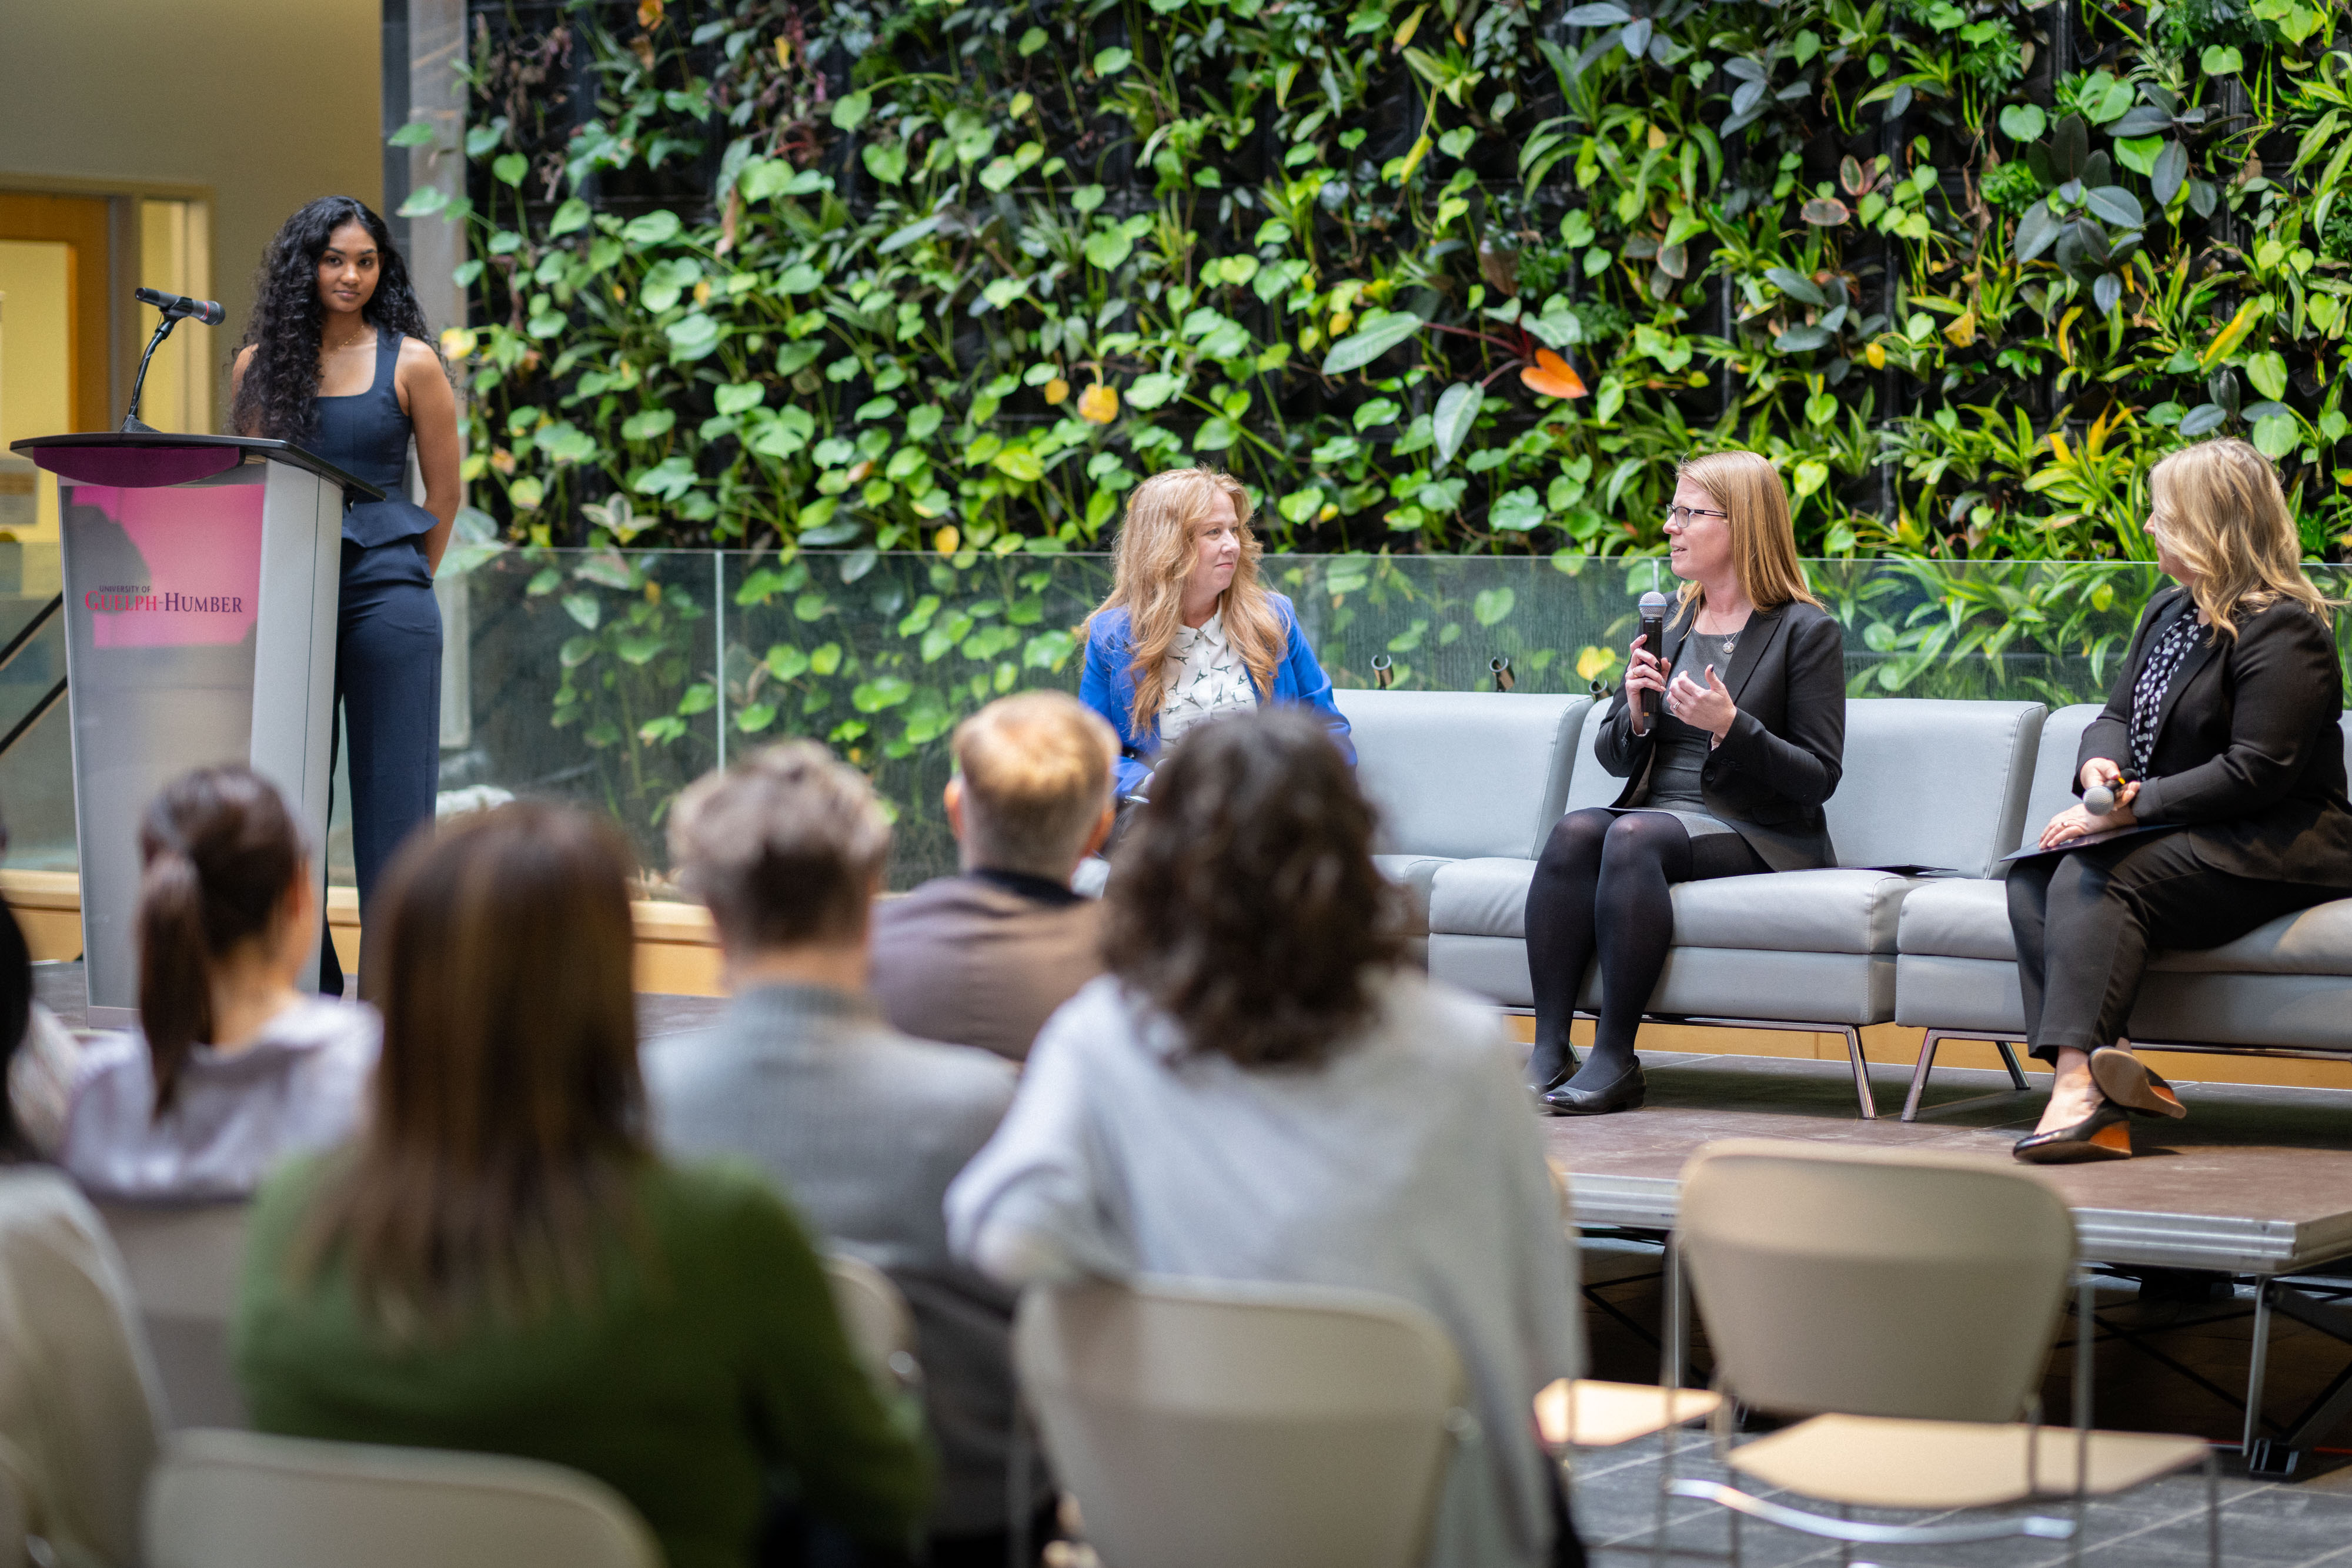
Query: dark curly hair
1246	906
274	398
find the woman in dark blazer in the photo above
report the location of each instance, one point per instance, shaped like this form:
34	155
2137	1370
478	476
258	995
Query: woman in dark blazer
2223	728
1728	779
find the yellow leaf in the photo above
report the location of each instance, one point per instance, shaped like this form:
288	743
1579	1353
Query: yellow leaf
1340	321
1057	389
649	14
1404	33
2065	352
1592	663
456	342
1876	354
785	53
2058	444
1963	331
1098	404
946	541
1412	160
1658	138
2225	343
1328	512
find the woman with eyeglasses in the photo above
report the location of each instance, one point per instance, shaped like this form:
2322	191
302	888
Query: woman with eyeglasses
2222	727
1727	779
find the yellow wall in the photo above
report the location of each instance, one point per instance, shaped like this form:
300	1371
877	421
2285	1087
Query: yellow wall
35	368
176	255
265	104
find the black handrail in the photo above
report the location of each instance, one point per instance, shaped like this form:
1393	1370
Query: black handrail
31	629
32	718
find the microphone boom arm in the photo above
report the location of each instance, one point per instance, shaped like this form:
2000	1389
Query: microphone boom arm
131	425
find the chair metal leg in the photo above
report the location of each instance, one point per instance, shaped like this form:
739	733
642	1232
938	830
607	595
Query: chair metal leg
1919	1071
2008	1059
1670	1378
1861	1074
2212	1510
2257	1368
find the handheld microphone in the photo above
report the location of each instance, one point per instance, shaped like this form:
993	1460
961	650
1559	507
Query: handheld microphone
1654	643
2099	799
207	312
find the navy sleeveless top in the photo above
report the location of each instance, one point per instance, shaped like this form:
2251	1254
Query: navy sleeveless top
367	435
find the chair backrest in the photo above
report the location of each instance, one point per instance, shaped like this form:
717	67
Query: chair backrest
238	1500
1874	1282
1931	781
2053	766
1463	774
876	1316
1590	784
183	1262
1241	1425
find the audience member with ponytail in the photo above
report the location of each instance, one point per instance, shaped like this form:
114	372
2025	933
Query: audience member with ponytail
232	1068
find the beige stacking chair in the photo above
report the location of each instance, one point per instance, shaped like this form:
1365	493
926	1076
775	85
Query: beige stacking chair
874	1314
183	1262
238	1500
1244	1425
1906	1302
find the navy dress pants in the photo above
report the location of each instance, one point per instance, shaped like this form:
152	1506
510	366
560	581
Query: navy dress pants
388	687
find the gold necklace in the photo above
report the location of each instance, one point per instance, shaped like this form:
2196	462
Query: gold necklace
350	341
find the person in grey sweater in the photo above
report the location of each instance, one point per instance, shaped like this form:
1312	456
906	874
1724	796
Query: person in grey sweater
983	958
861	1127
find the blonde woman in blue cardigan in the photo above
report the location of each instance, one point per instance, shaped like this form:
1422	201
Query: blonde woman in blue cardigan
1189	631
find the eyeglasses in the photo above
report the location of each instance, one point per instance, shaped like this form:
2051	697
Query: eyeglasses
1680	516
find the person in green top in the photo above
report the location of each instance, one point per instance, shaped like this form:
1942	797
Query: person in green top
498	1264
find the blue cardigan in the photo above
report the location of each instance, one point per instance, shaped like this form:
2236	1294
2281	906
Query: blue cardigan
1108	687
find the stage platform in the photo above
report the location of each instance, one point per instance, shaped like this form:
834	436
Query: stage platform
2256	1181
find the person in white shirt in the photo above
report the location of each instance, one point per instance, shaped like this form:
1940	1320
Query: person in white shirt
1258	1091
232	1068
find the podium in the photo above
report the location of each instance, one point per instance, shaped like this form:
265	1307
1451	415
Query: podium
201	588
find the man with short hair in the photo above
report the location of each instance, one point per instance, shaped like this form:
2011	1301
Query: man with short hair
984	957
863	1127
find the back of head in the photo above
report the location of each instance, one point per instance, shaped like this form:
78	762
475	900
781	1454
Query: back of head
1763	540
1037	771
220	854
507	1112
1246	906
2221	510
785	847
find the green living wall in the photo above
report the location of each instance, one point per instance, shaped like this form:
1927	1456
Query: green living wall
1460	276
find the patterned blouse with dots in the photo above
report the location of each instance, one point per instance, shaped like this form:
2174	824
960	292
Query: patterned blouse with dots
2155	680
1205	678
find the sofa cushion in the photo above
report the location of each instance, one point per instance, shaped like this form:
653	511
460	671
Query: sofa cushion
1829	911
1958	918
1933	782
1458	774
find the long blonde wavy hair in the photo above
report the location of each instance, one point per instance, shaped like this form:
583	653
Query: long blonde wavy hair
2220	508
1763	543
1157	544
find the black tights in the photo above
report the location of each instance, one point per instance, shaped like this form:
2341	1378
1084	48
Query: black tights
1601	882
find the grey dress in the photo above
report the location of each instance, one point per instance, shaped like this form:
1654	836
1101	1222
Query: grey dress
1682	748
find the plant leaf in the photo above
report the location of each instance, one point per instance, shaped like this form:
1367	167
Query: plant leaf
1457	410
1795	286
1375	335
2171	173
2036	231
2117	205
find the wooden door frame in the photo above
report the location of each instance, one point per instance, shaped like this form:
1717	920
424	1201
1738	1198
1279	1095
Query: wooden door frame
88	223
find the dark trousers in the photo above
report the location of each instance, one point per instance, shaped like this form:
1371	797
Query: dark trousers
2084	921
388	687
1600	885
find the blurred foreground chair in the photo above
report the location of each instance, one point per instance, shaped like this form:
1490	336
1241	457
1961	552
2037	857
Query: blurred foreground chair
874	1315
80	1415
1906	1302
239	1500
183	1262
1244	1425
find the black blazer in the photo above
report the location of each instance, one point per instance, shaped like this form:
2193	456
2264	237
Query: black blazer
1786	745
2247	750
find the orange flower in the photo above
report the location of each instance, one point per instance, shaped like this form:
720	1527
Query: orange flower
1098	404
649	14
1552	376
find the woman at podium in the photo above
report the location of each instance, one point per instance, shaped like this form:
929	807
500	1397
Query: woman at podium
337	359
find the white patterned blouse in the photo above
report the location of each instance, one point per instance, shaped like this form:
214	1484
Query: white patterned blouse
1205	677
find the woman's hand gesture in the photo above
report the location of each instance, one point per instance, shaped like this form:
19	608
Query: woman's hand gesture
1643	673
1707	707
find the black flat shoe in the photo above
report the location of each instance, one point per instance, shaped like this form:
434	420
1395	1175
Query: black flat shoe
2124	1079
2104	1134
1566	1070
1625	1093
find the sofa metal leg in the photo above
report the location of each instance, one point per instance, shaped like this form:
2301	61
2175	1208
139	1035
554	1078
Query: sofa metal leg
1861	1074
2008	1059
1919	1071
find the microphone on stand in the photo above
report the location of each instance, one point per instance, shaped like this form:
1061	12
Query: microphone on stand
208	311
1654	643
174	307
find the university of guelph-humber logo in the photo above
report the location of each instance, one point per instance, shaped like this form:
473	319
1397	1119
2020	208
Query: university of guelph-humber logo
123	600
